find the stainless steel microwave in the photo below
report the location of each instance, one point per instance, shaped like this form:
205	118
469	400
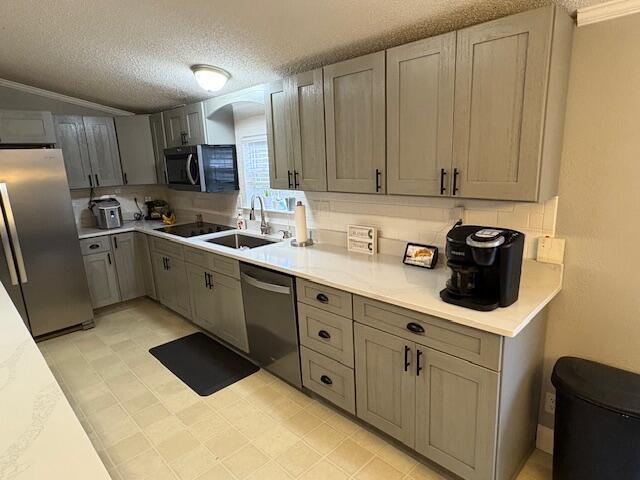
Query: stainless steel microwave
202	168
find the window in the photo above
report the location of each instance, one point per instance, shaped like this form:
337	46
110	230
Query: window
254	159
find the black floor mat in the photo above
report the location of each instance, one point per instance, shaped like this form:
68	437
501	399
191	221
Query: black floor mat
202	363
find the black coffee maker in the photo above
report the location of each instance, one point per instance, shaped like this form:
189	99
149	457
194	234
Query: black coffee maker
485	265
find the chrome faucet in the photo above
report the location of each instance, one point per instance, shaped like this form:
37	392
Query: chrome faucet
264	226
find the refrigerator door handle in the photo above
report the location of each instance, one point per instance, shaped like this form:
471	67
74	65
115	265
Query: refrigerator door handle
8	254
6	203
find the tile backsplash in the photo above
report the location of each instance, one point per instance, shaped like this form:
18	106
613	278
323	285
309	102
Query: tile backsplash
398	218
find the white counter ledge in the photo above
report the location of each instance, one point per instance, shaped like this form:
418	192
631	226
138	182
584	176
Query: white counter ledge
40	436
382	277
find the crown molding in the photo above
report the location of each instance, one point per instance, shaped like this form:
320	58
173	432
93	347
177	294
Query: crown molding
607	11
63	98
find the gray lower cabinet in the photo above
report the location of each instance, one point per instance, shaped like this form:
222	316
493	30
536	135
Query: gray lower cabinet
172	287
143	254
104	156
102	279
203	312
72	140
26	127
354	105
159	142
137	155
420	83
456	413
128	265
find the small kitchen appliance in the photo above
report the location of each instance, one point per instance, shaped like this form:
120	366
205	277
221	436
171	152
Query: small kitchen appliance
485	265
202	168
107	213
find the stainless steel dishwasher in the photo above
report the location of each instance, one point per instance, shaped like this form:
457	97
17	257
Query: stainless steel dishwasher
272	327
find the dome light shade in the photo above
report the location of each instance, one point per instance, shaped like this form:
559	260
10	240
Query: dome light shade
210	78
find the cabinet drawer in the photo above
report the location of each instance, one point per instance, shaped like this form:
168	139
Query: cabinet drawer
326	298
329	379
89	246
217	263
326	333
167	247
479	347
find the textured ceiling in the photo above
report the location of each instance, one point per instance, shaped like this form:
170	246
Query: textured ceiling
136	54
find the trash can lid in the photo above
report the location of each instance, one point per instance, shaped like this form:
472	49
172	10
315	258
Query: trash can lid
602	385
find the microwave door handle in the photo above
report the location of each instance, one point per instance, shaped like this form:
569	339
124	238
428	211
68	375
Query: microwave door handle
8	254
191	179
13	231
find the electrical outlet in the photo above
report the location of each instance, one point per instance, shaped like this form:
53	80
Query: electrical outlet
550	403
147	198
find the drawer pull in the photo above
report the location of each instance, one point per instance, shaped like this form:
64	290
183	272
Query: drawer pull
322	298
324	334
326	380
93	246
415	328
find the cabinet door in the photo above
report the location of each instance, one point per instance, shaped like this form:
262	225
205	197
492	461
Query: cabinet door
130	275
164	285
72	140
420	83
143	257
180	286
101	276
136	150
193	123
306	107
354	99
229	317
278	126
103	151
456	410
203	308
174	127
159	144
501	83
26	127
385	382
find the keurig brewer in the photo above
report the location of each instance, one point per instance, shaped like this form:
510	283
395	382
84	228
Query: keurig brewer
485	267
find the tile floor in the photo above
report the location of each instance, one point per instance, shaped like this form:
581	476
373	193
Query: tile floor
146	424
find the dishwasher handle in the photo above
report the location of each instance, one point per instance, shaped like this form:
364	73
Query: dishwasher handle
254	282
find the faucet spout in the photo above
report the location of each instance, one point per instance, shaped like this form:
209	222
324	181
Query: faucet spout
264	226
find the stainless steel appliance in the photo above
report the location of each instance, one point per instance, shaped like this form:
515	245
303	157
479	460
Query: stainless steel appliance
40	261
272	327
203	168
107	213
194	229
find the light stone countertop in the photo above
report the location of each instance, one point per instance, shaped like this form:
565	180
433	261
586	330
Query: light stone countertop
381	277
40	436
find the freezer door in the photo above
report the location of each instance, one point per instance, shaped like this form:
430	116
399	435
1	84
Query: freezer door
39	216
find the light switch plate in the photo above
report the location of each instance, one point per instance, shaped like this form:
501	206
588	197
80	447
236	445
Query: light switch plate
551	250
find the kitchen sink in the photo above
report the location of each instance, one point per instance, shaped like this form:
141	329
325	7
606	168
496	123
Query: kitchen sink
237	240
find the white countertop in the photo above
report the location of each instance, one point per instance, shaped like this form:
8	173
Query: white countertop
381	277
40	436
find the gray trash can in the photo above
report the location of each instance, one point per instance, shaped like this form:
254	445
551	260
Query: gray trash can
597	424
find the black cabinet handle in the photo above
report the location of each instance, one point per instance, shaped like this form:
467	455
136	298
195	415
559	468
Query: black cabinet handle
322	298
415	327
90	181
324	334
406	358
97	180
125	179
206	280
289	177
210	280
115	242
168	265
109	258
164	263
455	188
378	175
418	367
296	183
326	380
443	173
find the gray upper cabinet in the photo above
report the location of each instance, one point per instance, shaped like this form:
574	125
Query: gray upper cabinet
456	414
306	106
278	134
128	265
136	150
507	88
354	98
185	125
26	127
420	86
159	142
103	151
70	137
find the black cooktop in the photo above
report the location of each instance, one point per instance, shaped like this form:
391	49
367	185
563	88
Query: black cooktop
193	229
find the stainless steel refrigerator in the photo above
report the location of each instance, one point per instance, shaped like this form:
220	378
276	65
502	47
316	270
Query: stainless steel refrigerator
40	260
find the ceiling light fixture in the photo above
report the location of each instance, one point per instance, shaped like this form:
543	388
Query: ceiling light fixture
210	78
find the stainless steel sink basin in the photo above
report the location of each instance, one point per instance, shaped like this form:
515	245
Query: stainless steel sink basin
238	240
